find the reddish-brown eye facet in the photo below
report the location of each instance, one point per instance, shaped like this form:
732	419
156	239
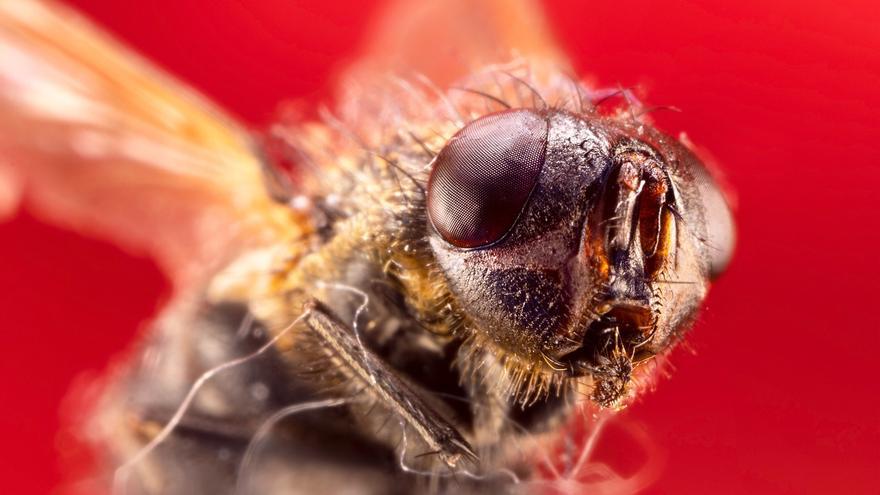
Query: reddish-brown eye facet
483	177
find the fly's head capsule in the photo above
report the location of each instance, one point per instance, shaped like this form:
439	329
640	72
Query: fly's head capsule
571	240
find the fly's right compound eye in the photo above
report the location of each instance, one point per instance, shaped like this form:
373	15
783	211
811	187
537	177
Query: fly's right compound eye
483	177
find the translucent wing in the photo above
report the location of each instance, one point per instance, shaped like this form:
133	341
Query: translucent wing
95	138
447	40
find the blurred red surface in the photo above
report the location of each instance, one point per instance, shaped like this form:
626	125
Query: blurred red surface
781	395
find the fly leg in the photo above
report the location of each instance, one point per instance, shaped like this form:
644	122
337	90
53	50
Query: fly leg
381	381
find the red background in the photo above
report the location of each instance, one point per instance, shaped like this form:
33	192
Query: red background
781	395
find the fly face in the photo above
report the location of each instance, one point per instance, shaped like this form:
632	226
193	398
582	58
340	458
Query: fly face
576	244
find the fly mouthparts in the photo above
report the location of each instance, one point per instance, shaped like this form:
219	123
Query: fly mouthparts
619	328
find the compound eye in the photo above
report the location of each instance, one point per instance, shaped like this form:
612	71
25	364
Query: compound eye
720	229
484	176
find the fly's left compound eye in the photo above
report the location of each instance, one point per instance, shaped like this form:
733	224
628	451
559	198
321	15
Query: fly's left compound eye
484	176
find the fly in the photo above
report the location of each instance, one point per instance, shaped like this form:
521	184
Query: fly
468	250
